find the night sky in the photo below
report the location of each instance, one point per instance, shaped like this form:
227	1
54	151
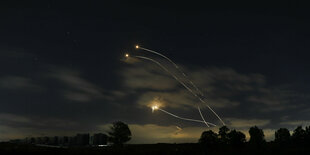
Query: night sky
63	69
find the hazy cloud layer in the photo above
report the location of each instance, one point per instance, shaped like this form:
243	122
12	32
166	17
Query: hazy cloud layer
295	123
232	94
78	89
147	77
18	83
246	123
64	101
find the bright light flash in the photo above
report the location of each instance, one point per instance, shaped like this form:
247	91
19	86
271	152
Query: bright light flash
155	107
137	46
126	55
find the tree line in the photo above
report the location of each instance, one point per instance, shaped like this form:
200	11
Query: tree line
120	133
225	136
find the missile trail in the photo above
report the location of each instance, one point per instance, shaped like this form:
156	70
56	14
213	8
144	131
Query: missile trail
142	57
213	111
174	64
186	119
177	67
146	58
201	114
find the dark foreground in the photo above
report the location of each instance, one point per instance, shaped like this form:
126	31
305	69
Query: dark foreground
150	149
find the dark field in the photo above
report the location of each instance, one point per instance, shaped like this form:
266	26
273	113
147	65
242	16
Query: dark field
150	149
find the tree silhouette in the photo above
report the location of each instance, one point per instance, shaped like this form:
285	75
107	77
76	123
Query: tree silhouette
256	136
223	134
307	134
236	137
299	135
209	138
120	133
282	136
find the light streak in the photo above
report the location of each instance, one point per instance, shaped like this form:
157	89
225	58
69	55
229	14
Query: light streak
146	58
177	67
174	64
186	119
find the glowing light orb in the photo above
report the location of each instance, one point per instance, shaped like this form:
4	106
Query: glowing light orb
155	104
126	55
155	107
137	46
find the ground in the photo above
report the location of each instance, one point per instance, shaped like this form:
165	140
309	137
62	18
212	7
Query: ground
191	148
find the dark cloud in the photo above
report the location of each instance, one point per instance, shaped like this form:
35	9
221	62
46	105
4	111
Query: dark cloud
230	93
141	76
77	88
61	71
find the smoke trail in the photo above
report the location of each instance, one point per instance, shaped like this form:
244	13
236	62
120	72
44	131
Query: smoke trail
146	58
212	111
186	119
201	114
176	66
